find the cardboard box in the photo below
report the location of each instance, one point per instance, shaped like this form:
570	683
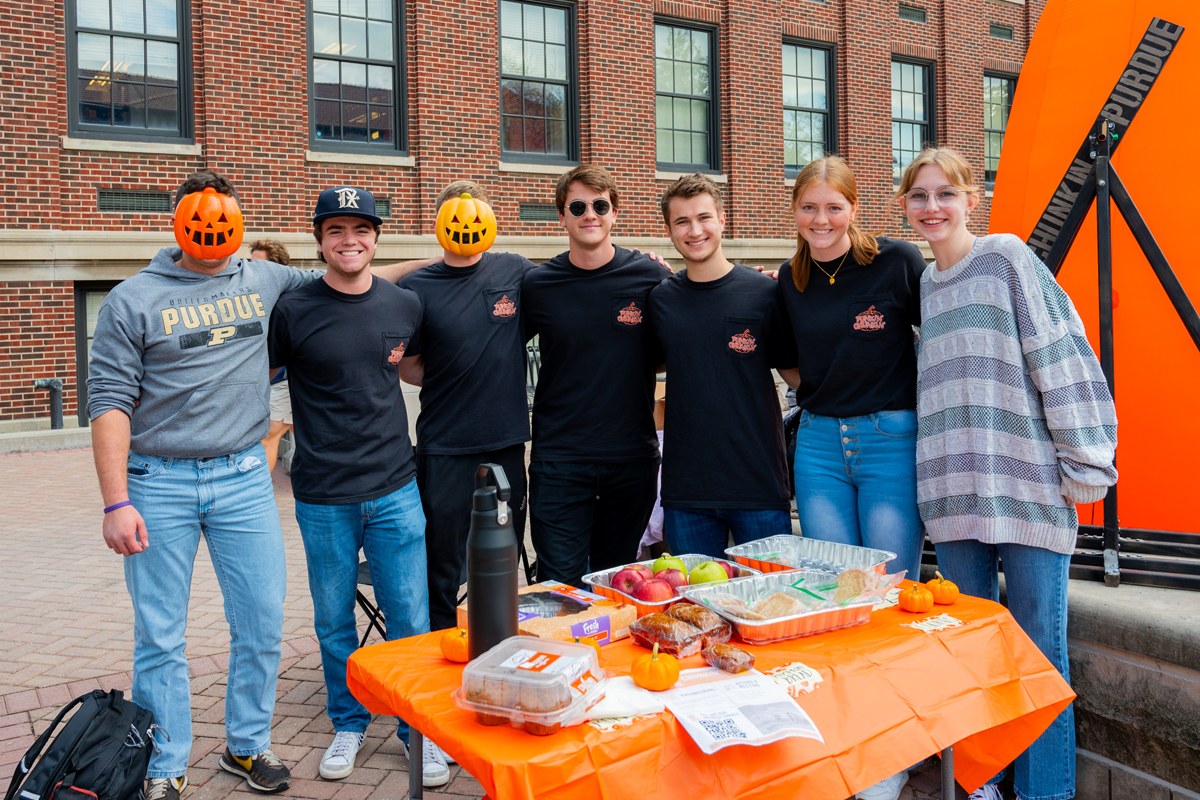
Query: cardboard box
548	615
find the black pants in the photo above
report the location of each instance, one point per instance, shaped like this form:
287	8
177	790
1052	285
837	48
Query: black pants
446	484
588	517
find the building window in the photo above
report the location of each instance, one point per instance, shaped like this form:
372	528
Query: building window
357	73
912	13
128	63
88	297
536	92
997	103
807	98
1000	31
685	86
912	111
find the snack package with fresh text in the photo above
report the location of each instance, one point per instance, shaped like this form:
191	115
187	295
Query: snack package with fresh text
553	610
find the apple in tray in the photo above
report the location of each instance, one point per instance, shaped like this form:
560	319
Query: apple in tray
653	591
667	561
627	580
708	572
674	577
730	569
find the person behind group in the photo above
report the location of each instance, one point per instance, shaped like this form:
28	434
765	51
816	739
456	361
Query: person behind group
469	360
176	398
594	466
1017	425
722	327
343	338
281	402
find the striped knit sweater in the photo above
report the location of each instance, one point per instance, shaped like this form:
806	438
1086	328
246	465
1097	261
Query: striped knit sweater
1016	422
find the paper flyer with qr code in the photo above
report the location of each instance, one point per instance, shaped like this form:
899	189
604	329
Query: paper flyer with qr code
718	709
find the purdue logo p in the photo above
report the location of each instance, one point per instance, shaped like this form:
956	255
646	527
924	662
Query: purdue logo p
219	335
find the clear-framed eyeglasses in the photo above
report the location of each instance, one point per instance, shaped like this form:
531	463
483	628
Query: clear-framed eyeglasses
919	198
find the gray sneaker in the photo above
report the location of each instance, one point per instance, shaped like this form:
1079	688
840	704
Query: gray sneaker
165	788
338	761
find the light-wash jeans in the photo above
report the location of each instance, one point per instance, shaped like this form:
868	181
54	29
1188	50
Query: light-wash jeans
228	500
1036	582
391	533
856	483
706	531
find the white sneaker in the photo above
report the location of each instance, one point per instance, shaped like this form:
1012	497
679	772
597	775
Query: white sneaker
338	761
886	789
989	791
434	771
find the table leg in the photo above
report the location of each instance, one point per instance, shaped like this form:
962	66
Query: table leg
948	773
416	747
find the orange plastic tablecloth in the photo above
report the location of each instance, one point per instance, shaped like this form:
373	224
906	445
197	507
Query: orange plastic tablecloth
891	696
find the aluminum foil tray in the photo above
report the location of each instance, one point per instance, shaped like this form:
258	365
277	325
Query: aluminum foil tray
601	583
787	552
775	630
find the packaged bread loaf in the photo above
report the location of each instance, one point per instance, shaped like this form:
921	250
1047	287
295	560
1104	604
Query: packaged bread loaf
728	658
672	635
715	629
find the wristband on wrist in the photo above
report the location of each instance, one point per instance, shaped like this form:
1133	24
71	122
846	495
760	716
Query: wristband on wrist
115	506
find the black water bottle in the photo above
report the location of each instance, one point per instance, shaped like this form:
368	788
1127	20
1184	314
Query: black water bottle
491	564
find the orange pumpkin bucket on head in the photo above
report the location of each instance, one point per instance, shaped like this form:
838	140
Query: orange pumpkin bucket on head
466	225
209	225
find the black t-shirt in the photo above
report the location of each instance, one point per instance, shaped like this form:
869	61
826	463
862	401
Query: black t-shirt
342	352
723	437
595	393
854	338
473	342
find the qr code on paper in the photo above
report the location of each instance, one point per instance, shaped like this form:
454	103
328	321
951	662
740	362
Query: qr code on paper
722	729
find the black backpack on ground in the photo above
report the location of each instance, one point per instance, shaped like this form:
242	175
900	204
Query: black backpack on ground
102	753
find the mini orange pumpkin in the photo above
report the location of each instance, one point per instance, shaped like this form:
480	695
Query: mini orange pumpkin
587	640
945	593
454	645
209	225
655	671
916	598
466	225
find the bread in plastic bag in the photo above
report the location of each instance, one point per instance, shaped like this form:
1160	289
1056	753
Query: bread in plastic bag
673	636
728	658
715	629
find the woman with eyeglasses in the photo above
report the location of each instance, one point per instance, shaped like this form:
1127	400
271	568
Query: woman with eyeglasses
1017	425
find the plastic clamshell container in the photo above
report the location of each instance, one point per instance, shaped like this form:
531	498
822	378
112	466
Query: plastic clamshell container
776	630
601	582
540	685
787	552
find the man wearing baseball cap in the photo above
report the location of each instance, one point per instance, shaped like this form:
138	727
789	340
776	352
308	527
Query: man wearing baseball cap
353	474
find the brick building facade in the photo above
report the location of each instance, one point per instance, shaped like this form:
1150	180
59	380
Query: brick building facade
111	103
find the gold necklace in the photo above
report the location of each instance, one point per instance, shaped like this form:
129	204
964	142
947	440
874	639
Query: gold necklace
836	271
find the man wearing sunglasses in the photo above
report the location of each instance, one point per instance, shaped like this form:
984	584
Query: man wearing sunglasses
594	467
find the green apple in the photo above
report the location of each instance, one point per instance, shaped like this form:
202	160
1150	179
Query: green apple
708	572
667	561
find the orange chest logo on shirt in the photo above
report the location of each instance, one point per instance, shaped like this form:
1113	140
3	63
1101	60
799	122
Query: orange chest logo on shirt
869	320
504	307
630	315
743	342
397	354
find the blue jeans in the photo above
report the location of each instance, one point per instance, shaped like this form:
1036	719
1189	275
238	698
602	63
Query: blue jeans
856	483
230	501
391	533
1036	581
706	530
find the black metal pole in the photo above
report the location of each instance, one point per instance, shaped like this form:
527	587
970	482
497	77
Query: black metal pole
948	773
416	759
55	387
1112	542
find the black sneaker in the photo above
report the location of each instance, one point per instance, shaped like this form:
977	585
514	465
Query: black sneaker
264	772
165	788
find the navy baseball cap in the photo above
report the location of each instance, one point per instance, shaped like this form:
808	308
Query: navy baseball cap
346	201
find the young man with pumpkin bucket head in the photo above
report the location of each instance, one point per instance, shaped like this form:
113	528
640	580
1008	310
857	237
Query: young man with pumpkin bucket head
593	477
469	361
342	339
177	397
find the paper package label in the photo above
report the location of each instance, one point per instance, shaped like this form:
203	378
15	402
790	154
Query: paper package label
599	629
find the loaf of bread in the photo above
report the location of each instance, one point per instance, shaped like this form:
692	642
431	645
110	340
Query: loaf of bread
672	635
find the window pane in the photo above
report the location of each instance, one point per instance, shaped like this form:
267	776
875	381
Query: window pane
662	146
700	47
127	16
789	153
818	63
683	77
325	6
535	59
789	124
162	108
683	147
699	115
514	133
329	120
379	85
895	77
790	97
664	75
556	101
162	62
906	105
662	112
700	79
804	131
682	113
354	122
511	60
94	100
510	97
92	14
804	63
700	147
381	125
918	106
354	8
354	38
380	9
325	34
535	135
129	58
556	25
129	105
556	137
556	62
804	92
354	83
535	23
789	60
93	54
326	79
510	19
662	41
534	100
161	18
681	44
379	41
819	100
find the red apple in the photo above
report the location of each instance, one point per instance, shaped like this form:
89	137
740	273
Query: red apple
642	569
626	580
653	590
730	569
673	577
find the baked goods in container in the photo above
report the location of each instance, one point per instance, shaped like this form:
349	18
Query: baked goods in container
672	635
778	604
728	658
715	629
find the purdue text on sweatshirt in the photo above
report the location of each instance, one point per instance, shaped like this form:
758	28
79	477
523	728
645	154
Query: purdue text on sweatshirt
191	350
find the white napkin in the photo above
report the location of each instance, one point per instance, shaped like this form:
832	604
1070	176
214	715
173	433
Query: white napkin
624	698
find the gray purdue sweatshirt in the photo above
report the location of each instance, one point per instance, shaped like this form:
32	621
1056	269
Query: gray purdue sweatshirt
192	349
